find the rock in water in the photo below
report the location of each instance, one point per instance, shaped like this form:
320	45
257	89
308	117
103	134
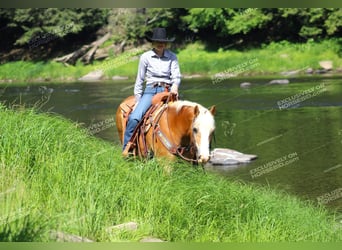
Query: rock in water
225	156
245	85
279	81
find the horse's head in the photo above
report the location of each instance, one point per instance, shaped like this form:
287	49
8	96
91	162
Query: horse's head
192	126
203	127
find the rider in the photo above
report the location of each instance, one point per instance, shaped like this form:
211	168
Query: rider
160	68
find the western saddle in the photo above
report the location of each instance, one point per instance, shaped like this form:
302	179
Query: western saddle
151	117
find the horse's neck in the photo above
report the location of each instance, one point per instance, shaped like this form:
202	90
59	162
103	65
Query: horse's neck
180	125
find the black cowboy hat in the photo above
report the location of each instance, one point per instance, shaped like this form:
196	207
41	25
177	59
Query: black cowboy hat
159	35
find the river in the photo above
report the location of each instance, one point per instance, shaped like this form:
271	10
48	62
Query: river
295	129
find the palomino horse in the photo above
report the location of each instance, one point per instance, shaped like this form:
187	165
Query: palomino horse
179	128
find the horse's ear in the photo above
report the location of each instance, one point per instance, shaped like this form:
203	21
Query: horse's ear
196	111
213	110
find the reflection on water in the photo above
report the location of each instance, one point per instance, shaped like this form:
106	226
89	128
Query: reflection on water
249	120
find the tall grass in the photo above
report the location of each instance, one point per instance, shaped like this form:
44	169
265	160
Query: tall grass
55	176
42	71
272	59
194	59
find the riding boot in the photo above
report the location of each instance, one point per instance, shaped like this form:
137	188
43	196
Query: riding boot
126	151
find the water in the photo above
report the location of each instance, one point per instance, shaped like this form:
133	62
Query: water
298	147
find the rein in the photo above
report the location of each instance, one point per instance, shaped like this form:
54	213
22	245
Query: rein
171	147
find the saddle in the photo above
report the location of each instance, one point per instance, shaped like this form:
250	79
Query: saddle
159	103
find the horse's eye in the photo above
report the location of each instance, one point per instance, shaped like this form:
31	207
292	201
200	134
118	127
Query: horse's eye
195	130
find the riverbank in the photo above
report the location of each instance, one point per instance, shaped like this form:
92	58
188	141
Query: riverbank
56	177
278	59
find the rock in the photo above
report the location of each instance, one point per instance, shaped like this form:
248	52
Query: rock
151	239
291	73
69	79
217	160
225	156
279	81
118	78
71	90
45	90
327	65
321	71
192	76
39	79
224	75
92	76
128	226
64	237
6	81
245	85
309	71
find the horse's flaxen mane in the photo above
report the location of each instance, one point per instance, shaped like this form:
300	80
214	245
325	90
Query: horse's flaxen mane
180	104
205	118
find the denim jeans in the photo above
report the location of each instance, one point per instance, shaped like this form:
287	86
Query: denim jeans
137	114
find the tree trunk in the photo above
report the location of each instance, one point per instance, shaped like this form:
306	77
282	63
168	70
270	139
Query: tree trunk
89	56
72	57
85	53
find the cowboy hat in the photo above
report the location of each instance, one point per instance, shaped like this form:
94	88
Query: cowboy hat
159	35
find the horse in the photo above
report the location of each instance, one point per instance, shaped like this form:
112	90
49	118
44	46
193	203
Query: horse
177	128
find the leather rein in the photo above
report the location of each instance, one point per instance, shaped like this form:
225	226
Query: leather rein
171	147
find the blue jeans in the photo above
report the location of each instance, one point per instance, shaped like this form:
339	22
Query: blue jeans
137	114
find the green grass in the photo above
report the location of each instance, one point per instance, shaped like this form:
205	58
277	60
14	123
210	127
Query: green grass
194	59
55	176
271	59
49	71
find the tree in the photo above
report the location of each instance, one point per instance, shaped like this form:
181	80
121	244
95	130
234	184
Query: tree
58	22
264	25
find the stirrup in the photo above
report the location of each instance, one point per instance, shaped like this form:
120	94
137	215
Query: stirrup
126	152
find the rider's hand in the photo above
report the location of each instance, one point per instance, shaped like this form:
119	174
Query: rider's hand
174	89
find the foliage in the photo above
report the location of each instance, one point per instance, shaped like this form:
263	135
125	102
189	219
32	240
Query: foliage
32	22
126	24
333	23
134	24
225	28
265	24
248	20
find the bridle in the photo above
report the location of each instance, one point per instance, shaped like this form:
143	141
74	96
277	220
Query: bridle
174	149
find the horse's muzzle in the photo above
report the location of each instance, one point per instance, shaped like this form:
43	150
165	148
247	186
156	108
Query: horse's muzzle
203	159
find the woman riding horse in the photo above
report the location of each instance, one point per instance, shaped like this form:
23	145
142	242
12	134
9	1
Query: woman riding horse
179	128
160	68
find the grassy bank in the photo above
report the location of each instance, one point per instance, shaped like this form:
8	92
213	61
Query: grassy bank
194	59
54	176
